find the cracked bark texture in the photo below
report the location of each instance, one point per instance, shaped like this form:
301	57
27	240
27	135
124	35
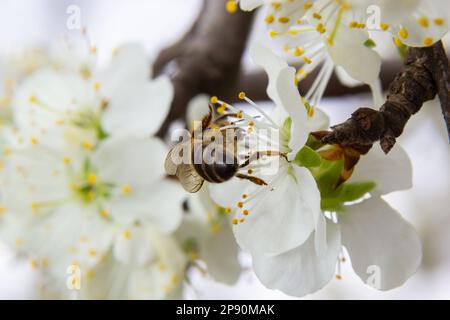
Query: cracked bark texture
426	73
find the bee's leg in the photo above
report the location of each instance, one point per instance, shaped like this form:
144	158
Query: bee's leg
255	180
257	155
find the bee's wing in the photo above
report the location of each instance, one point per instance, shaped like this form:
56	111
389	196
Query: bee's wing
189	178
174	157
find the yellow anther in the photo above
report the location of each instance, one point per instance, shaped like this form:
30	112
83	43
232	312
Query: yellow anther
240	204
92	252
33	263
269	19
439	21
338	277
59	122
273	33
45	262
235	221
91	195
251	123
428	41
241	95
353	24
126	189
32	99
240	114
227	210
92	178
19	242
231	6
321	28
245	212
96	86
249	171
398	42
403	33
307	6
214	99
2	210
384	26
283	20
423	22
87	145
126	234
67	160
276	5
33	140
241	220
317	16
307	60
298	52
104	213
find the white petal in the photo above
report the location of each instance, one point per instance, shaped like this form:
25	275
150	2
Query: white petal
300	271
132	161
138	107
378	238
159	204
391	172
348	51
284	218
197	108
132	245
319	121
291	101
249	5
272	65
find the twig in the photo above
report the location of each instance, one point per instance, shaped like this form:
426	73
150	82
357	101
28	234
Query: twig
425	74
207	59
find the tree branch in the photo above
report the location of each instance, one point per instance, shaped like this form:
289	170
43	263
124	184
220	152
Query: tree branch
207	59
425	74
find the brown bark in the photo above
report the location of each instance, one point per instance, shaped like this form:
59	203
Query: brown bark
425	74
207	59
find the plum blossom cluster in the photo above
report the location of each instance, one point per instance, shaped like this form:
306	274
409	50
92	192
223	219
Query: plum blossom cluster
84	195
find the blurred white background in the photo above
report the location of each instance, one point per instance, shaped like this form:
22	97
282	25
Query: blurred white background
155	23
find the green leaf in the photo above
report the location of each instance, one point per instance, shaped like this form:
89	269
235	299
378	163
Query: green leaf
354	191
369	43
313	143
308	158
327	176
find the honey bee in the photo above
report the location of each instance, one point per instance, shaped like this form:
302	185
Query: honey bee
219	168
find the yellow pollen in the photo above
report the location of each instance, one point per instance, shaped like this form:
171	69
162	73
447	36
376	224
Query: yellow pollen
283	20
231	6
423	22
126	189
241	95
32	99
96	86
439	21
245	212
317	16
307	60
269	19
92	252
428	41
92	178
126	234
307	6
235	221
398	42
33	263
321	28
214	99
384	26
298	52
67	160
104	213
87	145
403	33
273	33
